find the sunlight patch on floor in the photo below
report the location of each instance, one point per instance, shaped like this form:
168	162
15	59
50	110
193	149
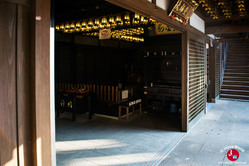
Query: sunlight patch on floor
125	159
88	144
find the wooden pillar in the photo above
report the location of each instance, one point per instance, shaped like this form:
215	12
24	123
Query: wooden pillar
185	81
42	96
23	84
212	73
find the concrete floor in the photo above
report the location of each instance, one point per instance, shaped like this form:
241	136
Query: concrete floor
207	144
144	140
156	140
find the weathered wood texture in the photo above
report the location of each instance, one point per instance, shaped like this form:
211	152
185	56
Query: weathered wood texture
8	116
40	65
23	85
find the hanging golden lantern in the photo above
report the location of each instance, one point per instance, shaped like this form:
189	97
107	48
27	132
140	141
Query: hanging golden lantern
72	26
108	26
118	19
111	20
78	25
144	20
90	23
67	26
136	16
57	27
121	23
83	24
127	17
62	27
135	22
96	22
104	21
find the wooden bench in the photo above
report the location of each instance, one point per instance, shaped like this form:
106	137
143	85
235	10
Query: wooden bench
129	104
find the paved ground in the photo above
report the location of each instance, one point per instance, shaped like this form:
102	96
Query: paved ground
145	141
101	141
225	127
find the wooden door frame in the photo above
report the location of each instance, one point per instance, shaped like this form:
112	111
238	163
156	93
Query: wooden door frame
42	79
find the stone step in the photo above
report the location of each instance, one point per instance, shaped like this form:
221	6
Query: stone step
236	71
235	78
234	92
237	67
239	97
230	82
236	74
235	87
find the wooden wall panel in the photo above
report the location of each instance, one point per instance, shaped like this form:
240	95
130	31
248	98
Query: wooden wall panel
8	131
23	85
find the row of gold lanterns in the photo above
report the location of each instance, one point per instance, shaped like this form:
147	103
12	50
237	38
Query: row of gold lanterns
241	8
130	34
112	22
211	10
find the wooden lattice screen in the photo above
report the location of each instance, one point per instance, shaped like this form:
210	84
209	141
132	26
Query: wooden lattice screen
217	72
196	78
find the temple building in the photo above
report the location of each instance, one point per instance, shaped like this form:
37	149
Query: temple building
111	63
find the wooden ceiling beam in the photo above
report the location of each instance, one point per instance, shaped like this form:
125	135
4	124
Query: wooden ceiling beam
226	29
148	9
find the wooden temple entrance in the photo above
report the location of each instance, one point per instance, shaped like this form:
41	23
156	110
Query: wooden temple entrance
27	85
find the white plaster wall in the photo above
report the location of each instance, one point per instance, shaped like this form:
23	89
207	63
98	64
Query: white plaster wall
161	4
197	22
150	0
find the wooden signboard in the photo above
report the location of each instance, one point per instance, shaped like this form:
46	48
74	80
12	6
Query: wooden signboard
162	29
183	10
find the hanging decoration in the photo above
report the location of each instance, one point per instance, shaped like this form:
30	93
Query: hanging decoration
241	8
183	10
210	8
125	26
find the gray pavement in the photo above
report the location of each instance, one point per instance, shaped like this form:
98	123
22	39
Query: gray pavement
140	141
152	141
224	127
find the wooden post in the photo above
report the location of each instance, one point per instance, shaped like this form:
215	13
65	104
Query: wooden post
98	91
109	93
117	94
212	73
43	128
101	92
105	93
185	81
113	94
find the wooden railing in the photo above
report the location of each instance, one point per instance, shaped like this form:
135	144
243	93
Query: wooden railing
105	93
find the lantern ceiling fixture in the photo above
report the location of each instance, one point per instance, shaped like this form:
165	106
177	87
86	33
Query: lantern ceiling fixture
117	21
130	34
